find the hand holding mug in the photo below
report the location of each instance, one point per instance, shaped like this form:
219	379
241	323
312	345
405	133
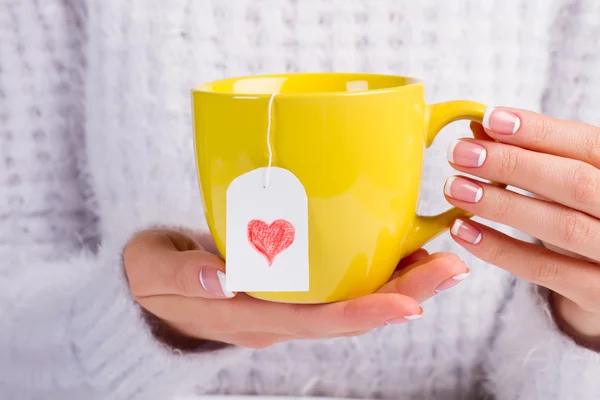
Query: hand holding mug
559	162
174	277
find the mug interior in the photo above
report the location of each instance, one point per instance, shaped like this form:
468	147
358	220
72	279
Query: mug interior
303	83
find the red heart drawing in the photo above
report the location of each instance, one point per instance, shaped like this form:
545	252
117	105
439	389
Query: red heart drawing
270	240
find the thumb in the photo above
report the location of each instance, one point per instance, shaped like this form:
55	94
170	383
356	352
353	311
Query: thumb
163	262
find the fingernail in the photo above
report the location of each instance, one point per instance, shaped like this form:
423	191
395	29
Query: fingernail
213	281
455	280
466	154
463	189
465	231
501	121
405	319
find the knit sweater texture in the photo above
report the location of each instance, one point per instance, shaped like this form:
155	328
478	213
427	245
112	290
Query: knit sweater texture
96	144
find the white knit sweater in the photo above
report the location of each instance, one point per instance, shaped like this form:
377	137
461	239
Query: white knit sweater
95	143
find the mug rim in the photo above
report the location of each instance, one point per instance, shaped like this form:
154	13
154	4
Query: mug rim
205	87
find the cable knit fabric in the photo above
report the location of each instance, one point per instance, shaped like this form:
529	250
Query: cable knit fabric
95	143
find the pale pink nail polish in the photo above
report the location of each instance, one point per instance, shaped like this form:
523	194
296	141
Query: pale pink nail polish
213	281
455	280
465	231
463	189
501	121
466	154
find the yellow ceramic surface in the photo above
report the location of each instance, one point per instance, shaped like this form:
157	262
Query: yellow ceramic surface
355	141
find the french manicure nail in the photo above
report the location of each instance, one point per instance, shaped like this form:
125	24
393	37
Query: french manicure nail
501	121
213	281
466	154
455	280
466	231
463	189
405	319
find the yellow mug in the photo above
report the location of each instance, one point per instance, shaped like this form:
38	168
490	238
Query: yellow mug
355	141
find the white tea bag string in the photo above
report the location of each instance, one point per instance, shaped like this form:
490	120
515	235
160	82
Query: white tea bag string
267	220
268	170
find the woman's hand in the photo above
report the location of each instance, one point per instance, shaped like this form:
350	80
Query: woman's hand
558	161
173	277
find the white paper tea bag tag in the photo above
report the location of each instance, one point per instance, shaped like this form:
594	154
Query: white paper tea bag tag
267	233
267	229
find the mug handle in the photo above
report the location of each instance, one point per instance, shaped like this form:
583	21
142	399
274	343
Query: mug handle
426	228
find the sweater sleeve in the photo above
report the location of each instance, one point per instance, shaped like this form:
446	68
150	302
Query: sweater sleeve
83	337
530	358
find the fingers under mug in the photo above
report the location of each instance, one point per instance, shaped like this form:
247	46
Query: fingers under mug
428	277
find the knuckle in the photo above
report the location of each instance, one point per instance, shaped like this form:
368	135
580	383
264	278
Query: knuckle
585	183
494	253
297	310
502	206
544	271
592	144
182	281
300	328
509	160
136	254
573	228
497	253
540	129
